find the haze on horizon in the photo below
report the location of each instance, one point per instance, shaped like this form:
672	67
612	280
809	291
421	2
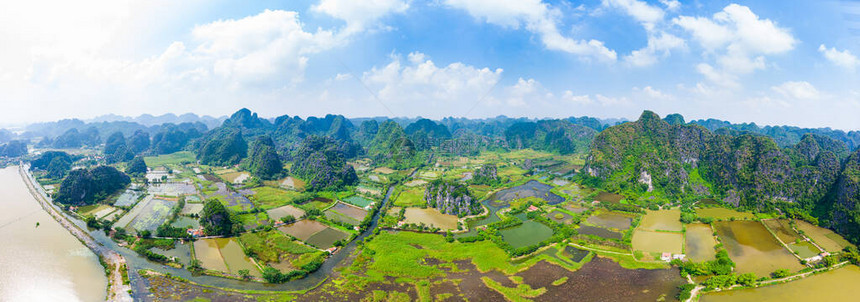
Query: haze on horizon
766	62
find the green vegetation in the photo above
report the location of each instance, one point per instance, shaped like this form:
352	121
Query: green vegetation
176	158
520	293
263	161
136	167
85	186
216	220
222	147
321	162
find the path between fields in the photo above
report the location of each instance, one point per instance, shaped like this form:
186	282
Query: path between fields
117	291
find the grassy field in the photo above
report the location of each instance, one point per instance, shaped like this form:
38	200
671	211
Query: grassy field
410	197
269	198
272	246
177	158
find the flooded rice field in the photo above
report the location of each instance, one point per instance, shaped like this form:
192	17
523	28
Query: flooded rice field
303	229
191	208
284	211
575	208
700	242
127	199
527	234
611	220
431	216
804	249
575	254
599	232
658	242
349	210
837	285
609	197
662	220
180	251
825	238
172	189
45	263
532	188
224	255
147	215
723	214
326	238
782	230
754	249
233	199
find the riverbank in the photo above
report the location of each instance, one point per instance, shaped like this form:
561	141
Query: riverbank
114	263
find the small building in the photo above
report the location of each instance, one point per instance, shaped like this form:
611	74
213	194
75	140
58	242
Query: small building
533	208
331	250
195	232
666	257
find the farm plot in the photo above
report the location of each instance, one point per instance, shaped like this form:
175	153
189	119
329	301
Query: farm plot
662	220
326	238
268	197
560	217
173	189
148	214
611	220
354	214
303	229
224	255
127	199
358	201
231	199
432	217
170	159
410	196
754	249
723	214
281	212
599	232
700	242
530	189
192	209
658	242
185	222
825	238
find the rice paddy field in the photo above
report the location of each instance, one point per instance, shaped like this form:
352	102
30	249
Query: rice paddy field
127	199
599	232
180	251
269	197
700	242
284	211
276	249
662	220
836	285
723	214
532	188
658	242
825	238
147	215
754	249
384	170
224	255
609	197
560	217
327	237
230	199
346	213
303	229
410	197
192	209
177	158
782	230
358	201
172	189
611	220
431	216
185	222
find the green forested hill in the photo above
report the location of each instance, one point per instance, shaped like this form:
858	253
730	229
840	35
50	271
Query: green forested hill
653	160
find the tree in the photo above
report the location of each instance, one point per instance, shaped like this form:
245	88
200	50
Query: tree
263	161
780	273
215	219
747	279
136	167
245	274
58	167
288	219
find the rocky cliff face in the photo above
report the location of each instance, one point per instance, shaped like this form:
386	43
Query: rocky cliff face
845	210
451	198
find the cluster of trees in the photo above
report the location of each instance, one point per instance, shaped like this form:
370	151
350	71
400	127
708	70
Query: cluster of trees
55	163
321	161
273	275
86	186
216	220
263	161
560	136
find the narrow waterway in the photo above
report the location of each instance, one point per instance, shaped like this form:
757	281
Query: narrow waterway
44	262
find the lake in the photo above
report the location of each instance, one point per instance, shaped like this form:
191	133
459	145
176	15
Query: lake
45	263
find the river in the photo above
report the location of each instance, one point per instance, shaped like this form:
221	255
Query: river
43	263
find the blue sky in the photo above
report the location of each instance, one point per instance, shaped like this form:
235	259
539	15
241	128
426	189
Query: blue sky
769	62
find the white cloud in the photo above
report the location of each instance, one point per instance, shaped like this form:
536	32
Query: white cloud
739	39
652	93
641	11
844	59
360	15
537	17
798	90
419	80
569	96
671	5
720	78
661	45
